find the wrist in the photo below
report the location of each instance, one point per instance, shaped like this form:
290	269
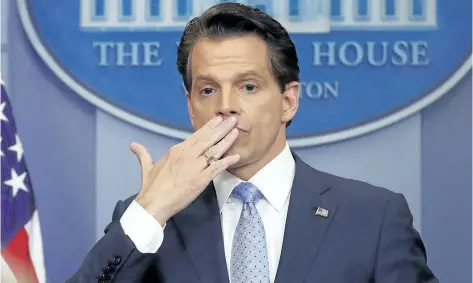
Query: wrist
159	213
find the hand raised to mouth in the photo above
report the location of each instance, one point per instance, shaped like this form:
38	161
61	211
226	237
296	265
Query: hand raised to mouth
184	172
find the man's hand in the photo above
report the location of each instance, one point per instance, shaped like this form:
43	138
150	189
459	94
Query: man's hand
183	173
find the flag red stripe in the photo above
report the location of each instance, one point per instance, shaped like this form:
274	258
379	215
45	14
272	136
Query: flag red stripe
17	256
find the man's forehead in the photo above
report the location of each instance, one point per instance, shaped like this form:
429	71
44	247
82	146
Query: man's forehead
230	69
234	55
231	48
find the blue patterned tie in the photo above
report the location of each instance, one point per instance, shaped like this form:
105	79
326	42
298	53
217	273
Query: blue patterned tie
249	261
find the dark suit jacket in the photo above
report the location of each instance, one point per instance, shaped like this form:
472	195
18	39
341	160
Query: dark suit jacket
367	236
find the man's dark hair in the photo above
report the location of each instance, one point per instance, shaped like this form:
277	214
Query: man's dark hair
234	19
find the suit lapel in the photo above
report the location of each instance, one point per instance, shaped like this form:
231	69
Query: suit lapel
200	228
305	229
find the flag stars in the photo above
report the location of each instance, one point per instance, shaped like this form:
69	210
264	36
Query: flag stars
17	182
18	148
2	115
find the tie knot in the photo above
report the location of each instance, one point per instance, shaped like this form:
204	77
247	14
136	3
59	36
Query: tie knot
247	192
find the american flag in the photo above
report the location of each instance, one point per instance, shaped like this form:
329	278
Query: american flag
22	248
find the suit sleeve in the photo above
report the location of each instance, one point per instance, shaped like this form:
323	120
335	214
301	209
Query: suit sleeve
114	258
401	255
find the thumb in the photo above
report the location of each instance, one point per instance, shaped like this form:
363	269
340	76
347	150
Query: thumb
143	156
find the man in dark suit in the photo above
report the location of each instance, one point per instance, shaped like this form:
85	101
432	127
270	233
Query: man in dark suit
232	203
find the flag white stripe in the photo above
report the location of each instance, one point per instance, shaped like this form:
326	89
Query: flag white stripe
35	242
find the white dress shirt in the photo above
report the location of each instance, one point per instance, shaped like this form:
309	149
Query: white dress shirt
275	183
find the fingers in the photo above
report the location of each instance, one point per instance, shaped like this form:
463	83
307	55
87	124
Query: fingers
203	131
210	137
220	148
143	156
217	167
213	131
210	125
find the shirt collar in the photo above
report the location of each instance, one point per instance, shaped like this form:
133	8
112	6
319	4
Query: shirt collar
275	189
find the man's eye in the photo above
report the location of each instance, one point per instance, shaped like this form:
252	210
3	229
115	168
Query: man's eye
206	91
249	88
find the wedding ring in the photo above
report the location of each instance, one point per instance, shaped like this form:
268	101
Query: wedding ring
209	158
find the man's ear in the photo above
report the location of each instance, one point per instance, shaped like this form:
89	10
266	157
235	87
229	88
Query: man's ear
290	102
190	109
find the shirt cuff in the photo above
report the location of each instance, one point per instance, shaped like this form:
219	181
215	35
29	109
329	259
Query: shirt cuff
142	228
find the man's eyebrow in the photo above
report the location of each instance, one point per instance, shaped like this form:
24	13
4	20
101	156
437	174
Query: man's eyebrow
205	78
247	74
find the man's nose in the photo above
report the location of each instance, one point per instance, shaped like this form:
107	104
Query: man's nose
228	104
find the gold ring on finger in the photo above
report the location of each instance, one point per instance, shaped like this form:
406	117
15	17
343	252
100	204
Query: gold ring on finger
209	158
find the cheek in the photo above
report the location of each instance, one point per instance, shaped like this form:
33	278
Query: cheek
266	118
267	122
269	114
202	114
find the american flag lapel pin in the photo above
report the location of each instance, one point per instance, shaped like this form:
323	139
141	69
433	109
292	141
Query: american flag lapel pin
321	212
